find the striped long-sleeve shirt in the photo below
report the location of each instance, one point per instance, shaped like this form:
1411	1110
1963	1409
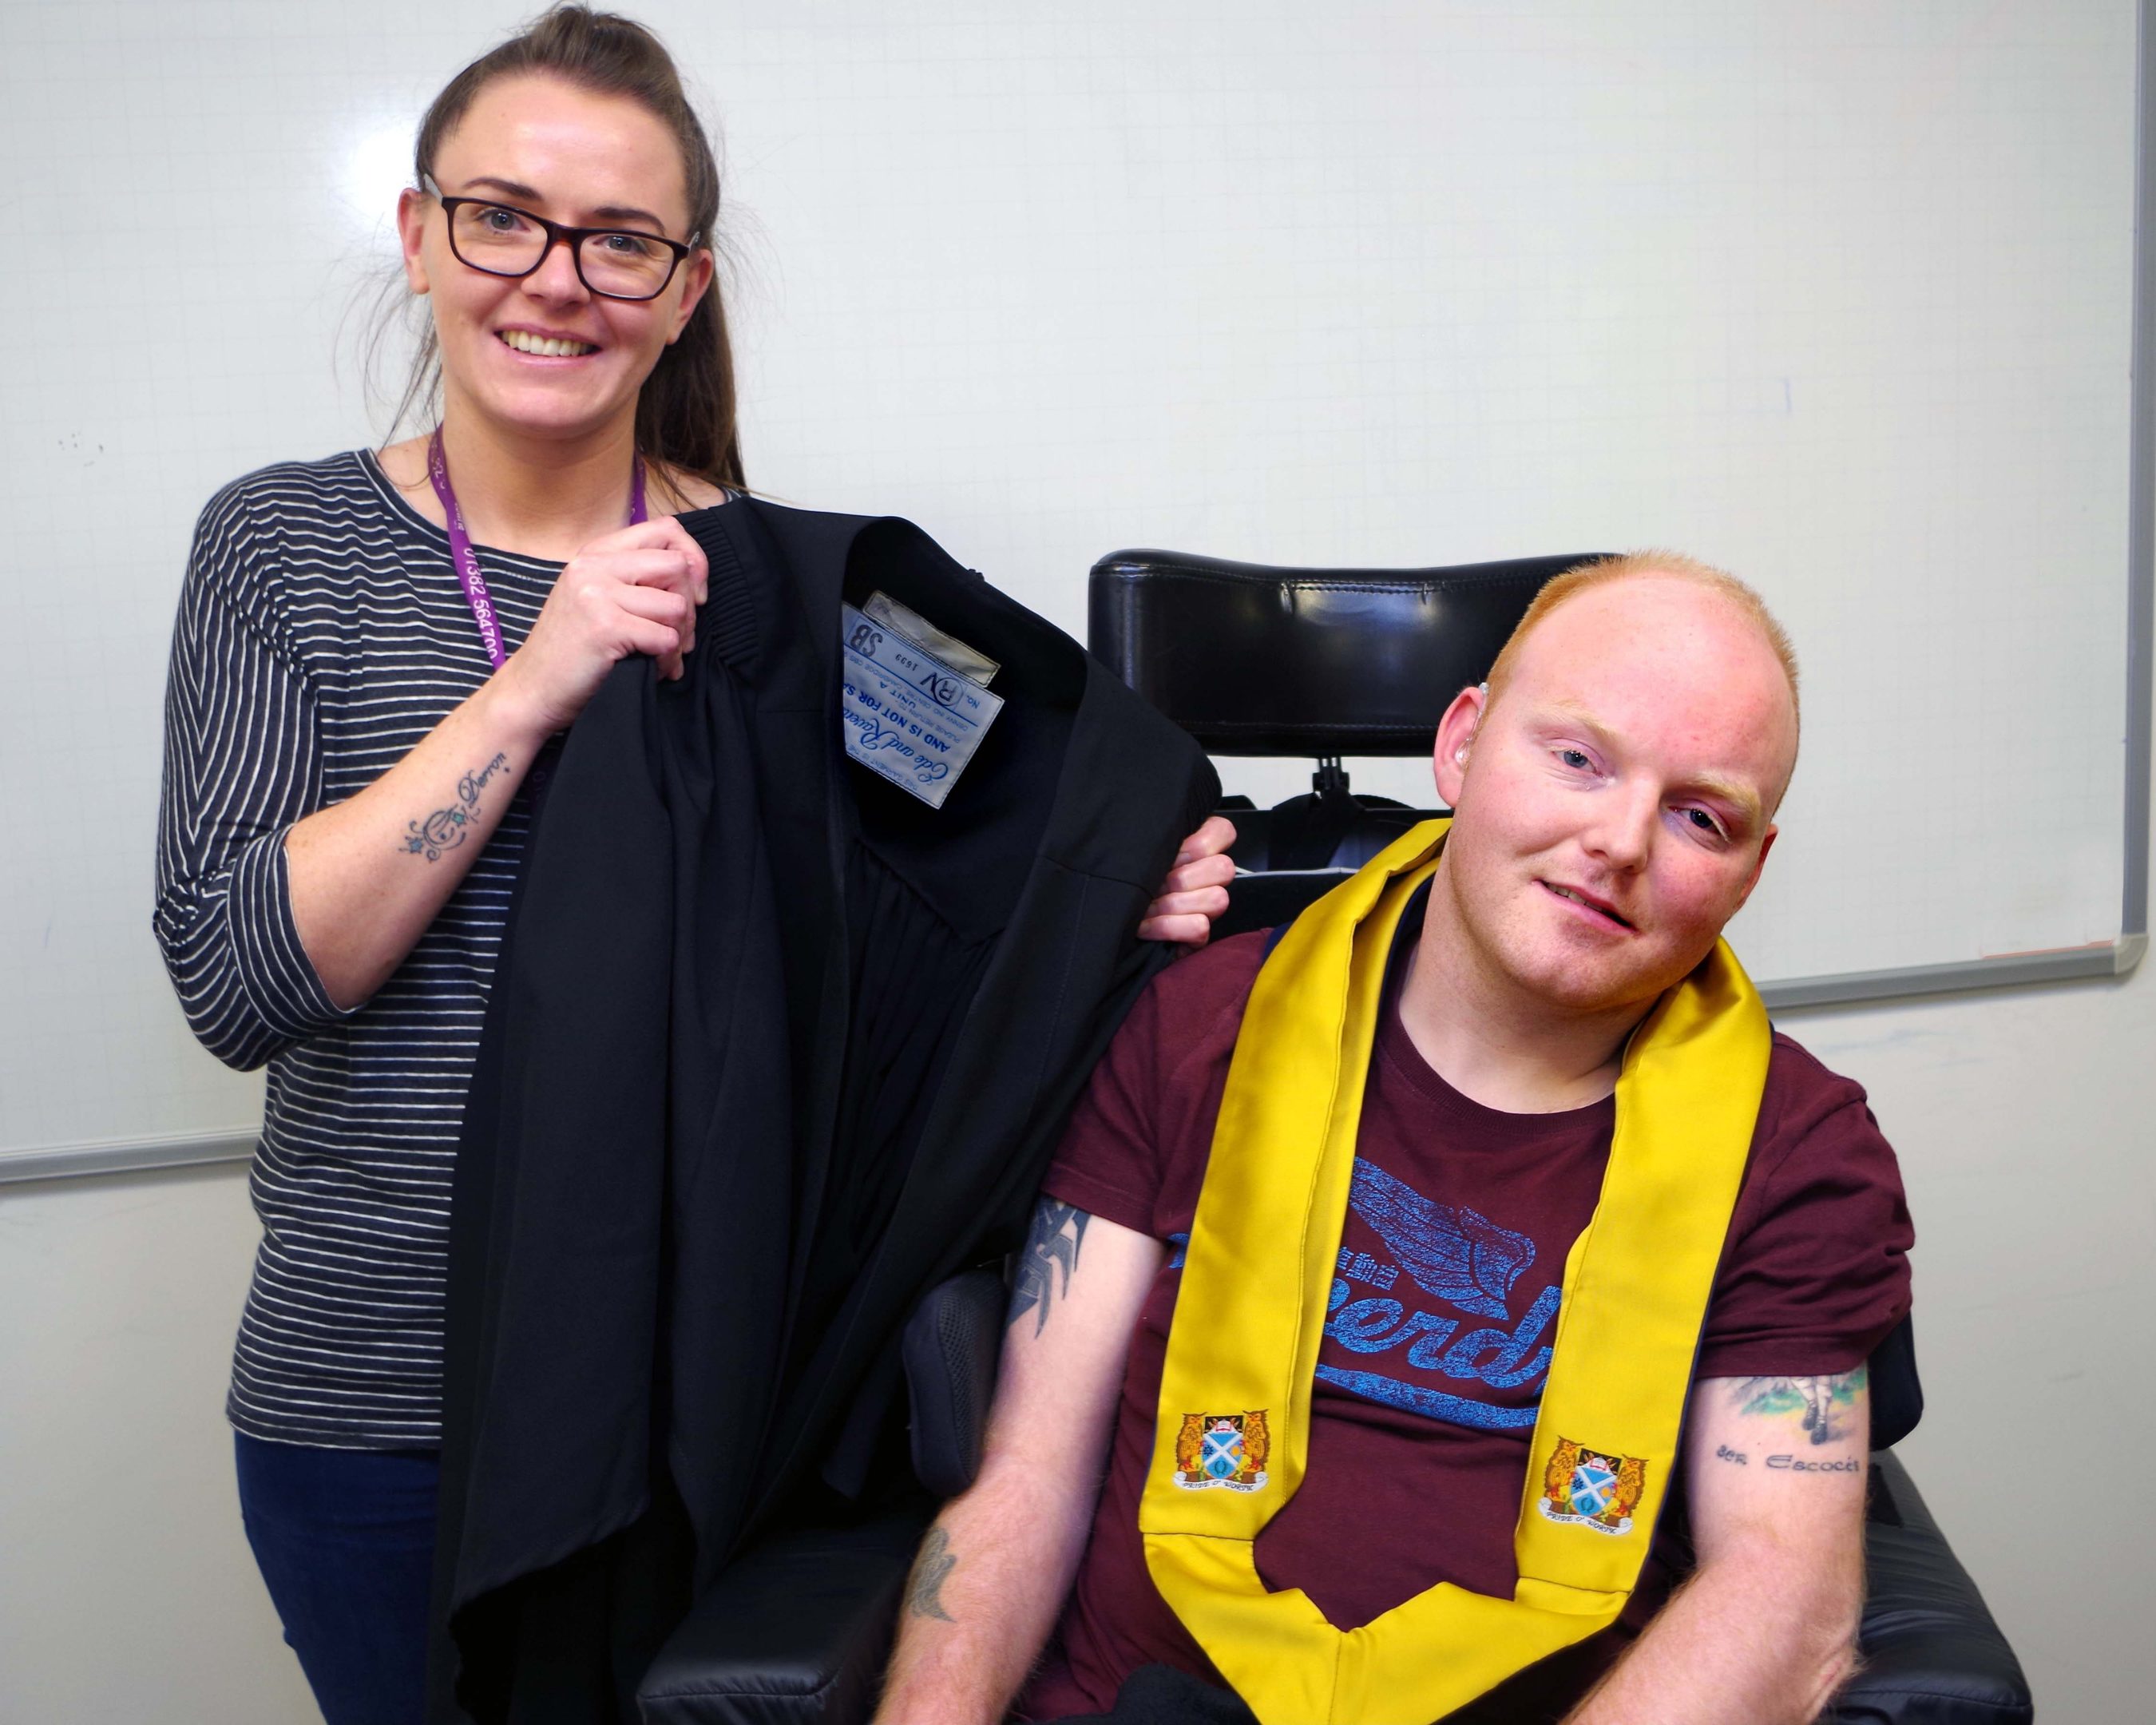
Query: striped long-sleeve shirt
321	635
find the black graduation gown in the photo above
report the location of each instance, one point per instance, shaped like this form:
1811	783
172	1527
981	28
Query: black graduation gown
772	1048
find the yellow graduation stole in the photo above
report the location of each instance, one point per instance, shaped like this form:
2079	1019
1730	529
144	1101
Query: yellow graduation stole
1233	1428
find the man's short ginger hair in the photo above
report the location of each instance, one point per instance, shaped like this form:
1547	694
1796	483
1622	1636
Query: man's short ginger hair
1560	589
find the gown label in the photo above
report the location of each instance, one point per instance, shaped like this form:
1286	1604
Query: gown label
906	713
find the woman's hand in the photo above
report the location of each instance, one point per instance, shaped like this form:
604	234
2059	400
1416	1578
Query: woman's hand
1196	890
633	591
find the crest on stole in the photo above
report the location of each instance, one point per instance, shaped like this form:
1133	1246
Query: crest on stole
1226	1450
1585	1488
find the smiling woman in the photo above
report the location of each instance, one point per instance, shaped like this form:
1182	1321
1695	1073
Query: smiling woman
374	654
586	109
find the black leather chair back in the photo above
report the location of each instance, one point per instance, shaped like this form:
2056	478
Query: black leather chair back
1254	660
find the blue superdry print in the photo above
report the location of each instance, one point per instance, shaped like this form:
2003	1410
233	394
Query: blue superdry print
1455	1254
1469	1266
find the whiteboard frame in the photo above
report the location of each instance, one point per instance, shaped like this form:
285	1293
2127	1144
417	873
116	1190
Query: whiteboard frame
2116	957
125	1156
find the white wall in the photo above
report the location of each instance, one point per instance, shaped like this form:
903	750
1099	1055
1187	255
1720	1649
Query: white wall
2027	1127
126	1589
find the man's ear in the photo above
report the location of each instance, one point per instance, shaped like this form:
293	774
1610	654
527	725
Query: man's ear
411	228
1455	742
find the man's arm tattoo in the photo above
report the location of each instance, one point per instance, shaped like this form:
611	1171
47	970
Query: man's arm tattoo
446	828
1058	1230
1823	1404
1783	1462
924	1587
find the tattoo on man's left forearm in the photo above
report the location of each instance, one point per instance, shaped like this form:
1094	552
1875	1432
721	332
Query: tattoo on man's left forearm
1058	1230
1823	1403
446	828
924	1587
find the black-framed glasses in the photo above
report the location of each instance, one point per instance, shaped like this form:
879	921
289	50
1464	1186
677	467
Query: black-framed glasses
501	239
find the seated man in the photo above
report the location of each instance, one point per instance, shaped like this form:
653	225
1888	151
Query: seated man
1393	1285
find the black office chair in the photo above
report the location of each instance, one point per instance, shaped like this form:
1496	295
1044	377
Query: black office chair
1264	661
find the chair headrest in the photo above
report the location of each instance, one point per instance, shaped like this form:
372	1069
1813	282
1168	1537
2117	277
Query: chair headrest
1255	660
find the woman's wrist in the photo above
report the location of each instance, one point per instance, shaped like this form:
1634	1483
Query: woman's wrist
519	725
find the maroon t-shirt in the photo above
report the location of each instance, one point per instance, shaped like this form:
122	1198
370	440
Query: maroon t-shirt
1443	1311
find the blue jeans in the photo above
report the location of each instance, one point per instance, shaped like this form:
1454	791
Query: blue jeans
345	1540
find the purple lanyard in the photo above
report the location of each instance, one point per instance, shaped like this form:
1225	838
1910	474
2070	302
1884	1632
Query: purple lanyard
467	559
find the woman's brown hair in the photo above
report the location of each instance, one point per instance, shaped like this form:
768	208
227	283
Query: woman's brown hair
685	414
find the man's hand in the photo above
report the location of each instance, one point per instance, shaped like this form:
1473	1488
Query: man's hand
992	1572
1765	1630
1196	890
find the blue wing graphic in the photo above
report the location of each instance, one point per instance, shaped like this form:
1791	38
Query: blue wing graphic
1454	1254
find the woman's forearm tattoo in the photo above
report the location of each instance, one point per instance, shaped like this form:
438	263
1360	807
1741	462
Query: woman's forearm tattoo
446	828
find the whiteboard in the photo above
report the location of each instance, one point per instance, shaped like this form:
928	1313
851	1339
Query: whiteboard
1839	296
